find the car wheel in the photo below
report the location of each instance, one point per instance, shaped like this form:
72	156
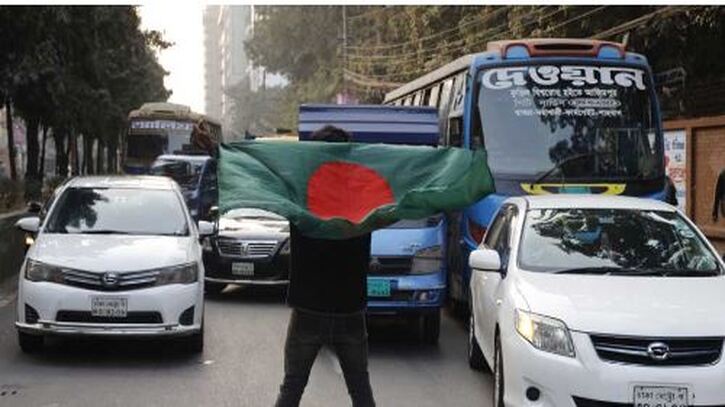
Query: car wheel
431	328
214	288
498	376
30	343
476	361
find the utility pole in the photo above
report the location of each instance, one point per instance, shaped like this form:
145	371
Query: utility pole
344	52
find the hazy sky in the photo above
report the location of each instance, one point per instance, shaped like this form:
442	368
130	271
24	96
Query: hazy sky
181	23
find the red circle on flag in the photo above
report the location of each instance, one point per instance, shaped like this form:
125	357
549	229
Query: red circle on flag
346	190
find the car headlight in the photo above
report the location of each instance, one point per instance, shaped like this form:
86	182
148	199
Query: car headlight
285	248
545	333
428	260
183	274
37	271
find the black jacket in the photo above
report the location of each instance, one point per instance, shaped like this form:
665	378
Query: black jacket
328	275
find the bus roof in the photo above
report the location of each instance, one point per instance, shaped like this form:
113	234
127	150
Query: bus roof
535	47
164	110
373	123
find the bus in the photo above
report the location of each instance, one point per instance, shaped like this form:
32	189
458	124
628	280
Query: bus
162	128
554	116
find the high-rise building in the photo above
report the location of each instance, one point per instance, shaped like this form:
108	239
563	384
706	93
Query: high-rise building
226	62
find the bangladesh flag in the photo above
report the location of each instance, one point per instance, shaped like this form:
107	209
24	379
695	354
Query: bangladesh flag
341	190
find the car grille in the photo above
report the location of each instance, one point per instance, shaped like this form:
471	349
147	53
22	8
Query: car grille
247	249
682	351
125	281
382	266
133	317
582	402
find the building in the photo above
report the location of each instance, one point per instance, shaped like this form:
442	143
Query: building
226	64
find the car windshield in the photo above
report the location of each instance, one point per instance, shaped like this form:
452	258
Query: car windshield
252	213
118	211
573	121
613	241
185	173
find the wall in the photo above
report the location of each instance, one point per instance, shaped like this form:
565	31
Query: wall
705	158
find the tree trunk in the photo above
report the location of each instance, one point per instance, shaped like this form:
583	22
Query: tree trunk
32	186
11	138
73	152
88	154
99	156
61	152
42	153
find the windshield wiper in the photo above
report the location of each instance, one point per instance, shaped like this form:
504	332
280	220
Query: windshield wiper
609	270
103	232
566	161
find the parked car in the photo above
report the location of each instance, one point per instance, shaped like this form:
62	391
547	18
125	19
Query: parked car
196	175
250	247
598	301
115	256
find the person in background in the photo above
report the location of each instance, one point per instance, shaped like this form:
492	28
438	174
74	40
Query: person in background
327	292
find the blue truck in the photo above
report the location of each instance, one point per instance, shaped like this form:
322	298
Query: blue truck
407	276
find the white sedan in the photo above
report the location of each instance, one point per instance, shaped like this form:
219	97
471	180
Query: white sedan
115	256
598	301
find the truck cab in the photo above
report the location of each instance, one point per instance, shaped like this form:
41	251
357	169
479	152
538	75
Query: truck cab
407	276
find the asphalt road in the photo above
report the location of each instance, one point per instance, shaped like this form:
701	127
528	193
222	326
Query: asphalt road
241	365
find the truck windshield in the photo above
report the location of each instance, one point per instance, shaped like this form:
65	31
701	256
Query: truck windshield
579	122
185	173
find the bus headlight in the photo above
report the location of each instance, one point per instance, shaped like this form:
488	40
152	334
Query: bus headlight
545	333
182	274
428	260
37	271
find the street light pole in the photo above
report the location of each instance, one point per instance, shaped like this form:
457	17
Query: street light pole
344	52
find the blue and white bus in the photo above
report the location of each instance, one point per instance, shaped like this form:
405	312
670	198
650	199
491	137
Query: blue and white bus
555	116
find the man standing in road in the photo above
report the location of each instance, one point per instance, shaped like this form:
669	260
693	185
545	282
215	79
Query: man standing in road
327	293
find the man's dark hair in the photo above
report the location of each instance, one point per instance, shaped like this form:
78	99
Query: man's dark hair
331	134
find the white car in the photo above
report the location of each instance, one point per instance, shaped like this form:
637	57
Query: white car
598	301
114	256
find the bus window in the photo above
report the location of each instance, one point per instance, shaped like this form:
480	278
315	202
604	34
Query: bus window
434	93
416	99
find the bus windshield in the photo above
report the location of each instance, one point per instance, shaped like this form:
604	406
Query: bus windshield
582	122
149	138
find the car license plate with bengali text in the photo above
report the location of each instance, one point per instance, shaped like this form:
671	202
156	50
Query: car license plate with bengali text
661	396
243	269
378	287
114	307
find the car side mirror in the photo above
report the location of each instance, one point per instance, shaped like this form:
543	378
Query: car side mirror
30	224
213	212
485	260
205	228
34	207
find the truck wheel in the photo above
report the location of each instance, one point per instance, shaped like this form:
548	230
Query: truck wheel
30	343
214	288
431	327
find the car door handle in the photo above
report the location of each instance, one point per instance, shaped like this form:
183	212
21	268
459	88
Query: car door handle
498	302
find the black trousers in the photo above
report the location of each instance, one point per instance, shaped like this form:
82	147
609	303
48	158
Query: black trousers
346	335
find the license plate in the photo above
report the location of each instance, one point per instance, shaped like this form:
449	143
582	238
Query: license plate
113	307
378	288
661	396
243	269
